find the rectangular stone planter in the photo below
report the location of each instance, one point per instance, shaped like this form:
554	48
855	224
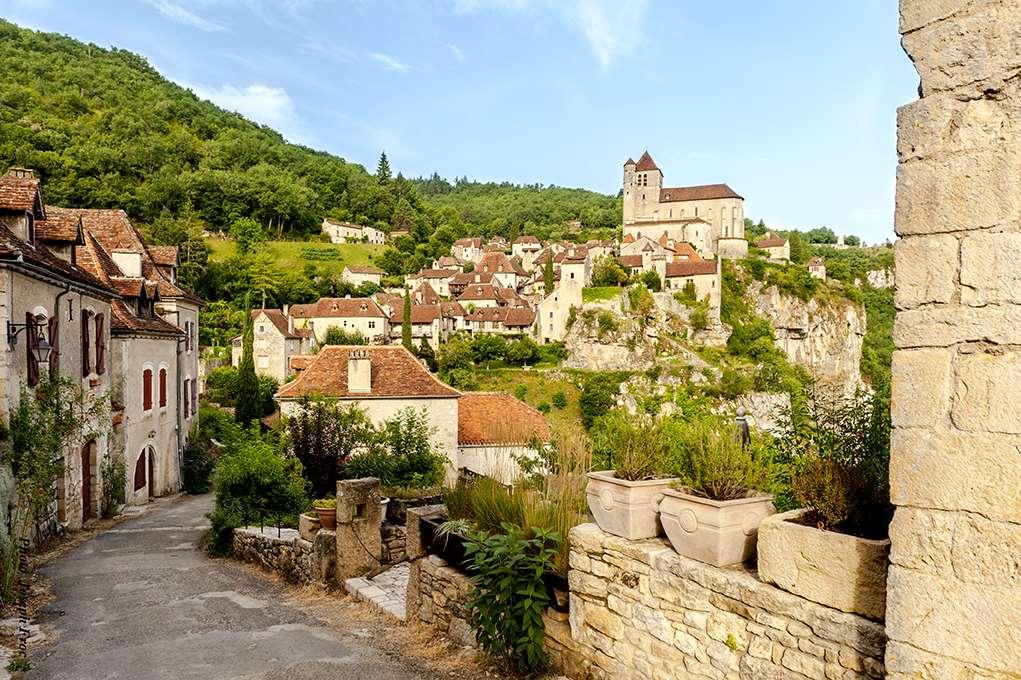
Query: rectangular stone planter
720	533
625	508
838	570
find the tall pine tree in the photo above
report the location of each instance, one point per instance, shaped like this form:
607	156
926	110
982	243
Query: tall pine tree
383	169
247	407
406	322
547	273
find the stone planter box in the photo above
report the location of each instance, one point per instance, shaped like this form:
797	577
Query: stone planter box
720	533
625	508
838	570
308	525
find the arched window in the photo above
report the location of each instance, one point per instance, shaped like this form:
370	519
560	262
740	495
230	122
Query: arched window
163	387
147	389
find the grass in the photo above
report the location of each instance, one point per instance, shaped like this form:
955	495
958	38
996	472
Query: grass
540	387
288	254
600	293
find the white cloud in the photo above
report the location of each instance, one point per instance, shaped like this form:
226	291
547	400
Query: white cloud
186	17
456	51
262	103
388	62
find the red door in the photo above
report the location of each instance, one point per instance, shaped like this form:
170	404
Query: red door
152	474
87	480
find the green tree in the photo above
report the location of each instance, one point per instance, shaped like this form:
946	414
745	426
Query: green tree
547	273
335	335
852	240
800	251
406	322
607	272
383	169
247	234
247	407
425	353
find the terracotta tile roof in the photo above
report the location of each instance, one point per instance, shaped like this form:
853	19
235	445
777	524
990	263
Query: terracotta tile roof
452	309
527	238
20	193
684	249
279	321
61	225
364	269
425	295
337	308
630	261
424	313
498	418
448	262
13	248
629	161
495	262
437	273
163	255
475	242
395	373
690	268
646	163
628	238
771	240
468	278
703	192
816	262
480	291
126	322
512	317
299	362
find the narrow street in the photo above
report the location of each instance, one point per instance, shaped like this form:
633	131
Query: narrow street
142	600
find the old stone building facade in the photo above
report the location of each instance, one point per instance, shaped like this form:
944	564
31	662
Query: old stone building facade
274	341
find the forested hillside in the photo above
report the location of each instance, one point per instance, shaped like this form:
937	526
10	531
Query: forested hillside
106	130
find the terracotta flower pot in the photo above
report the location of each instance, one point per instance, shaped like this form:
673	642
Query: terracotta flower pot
838	570
327	517
625	508
720	533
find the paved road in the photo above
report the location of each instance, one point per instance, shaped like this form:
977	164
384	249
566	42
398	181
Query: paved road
142	601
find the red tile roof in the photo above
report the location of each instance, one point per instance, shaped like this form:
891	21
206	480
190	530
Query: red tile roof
512	317
437	273
704	192
469	242
164	255
630	261
527	238
495	262
279	321
299	362
480	291
425	295
395	373
498	418
629	161
61	225
646	163
452	309
468	278
771	240
684	249
19	191
337	308
364	269
13	248
126	322
690	268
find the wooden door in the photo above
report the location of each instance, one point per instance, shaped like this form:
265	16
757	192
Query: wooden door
87	480
152	474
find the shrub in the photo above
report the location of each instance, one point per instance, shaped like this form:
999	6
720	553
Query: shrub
509	596
543	406
115	478
606	271
687	295
222	385
488	346
522	351
734	383
607	324
401	454
631	445
322	437
700	318
652	281
335	335
197	463
559	400
553	352
598	395
520	391
711	460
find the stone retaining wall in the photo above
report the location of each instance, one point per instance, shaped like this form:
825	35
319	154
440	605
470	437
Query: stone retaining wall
639	610
393	538
296	559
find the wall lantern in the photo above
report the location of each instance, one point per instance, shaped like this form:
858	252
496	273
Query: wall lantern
41	347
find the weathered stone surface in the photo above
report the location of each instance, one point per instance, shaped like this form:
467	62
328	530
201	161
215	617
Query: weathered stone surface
953	470
285	552
917	13
946	326
991	268
359	518
925	374
837	570
987	396
926	270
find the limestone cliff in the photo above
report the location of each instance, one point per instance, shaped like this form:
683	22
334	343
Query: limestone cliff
824	337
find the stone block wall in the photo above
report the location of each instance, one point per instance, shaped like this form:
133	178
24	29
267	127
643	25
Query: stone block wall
296	559
954	584
393	538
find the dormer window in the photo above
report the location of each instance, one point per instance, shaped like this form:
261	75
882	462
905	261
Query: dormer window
30	227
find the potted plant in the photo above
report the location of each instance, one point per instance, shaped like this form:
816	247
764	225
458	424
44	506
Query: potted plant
835	549
326	510
624	500
713	514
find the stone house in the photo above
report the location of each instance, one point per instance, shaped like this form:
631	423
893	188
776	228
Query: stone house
274	341
501	320
467	249
525	244
777	247
647	249
154	352
704	275
494	431
460	282
363	315
345	232
506	272
701	215
553	311
381	380
446	262
356	275
484	295
439	279
817	268
50	301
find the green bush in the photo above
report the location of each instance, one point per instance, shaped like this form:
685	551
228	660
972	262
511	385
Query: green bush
400	455
335	335
553	352
522	351
222	385
711	461
115	479
607	324
631	445
197	463
510	597
559	400
651	280
598	395
543	406
700	318
520	391
734	383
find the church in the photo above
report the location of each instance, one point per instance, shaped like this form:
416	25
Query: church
709	217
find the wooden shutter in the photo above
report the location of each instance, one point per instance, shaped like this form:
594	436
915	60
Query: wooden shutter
163	387
86	369
147	389
32	369
194	397
100	344
54	335
187	399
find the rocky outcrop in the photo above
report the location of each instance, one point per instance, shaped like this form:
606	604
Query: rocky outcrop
826	338
764	410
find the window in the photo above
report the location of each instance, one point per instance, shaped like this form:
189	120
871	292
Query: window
100	344
262	329
194	399
187	396
86	367
163	387
372	324
147	389
31	334
54	336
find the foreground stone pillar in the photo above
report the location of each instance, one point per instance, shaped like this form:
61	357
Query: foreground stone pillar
359	517
954	587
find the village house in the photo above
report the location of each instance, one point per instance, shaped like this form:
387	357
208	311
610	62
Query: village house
817	268
496	430
467	249
710	217
154	352
645	248
497	243
274	341
361	315
438	279
486	295
525	244
553	311
704	275
501	320
345	232
461	281
356	275
446	262
504	270
56	316
777	248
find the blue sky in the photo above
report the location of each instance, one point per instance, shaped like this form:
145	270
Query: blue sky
792	102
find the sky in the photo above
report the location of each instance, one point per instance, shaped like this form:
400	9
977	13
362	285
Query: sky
790	102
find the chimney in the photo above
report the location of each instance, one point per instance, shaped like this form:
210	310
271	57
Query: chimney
21	173
290	320
359	372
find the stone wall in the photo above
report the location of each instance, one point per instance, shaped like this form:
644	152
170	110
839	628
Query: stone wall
293	557
954	584
393	539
